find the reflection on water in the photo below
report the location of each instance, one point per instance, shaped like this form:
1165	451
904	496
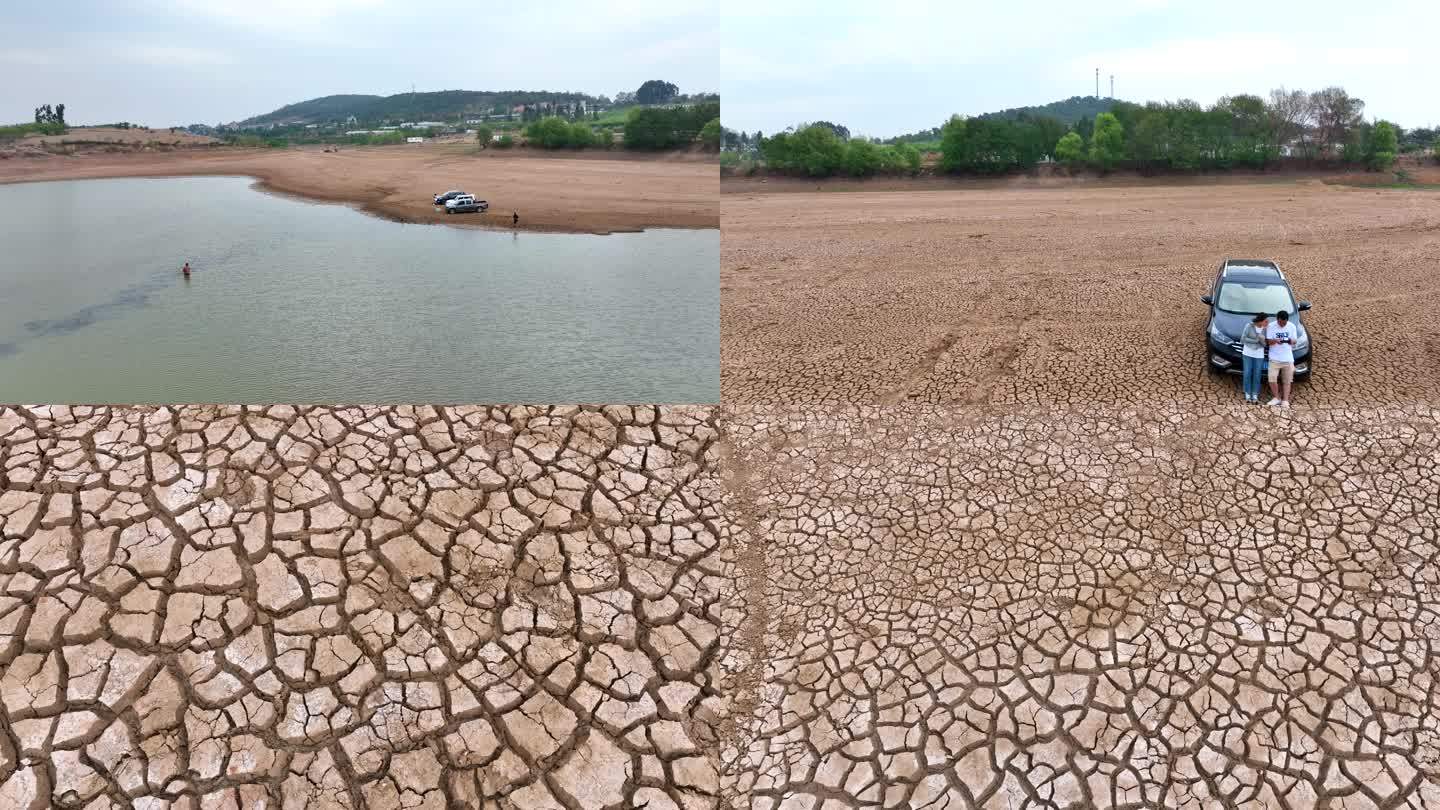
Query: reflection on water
299	302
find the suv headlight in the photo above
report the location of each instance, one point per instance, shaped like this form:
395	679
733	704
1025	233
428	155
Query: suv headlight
1217	335
1303	341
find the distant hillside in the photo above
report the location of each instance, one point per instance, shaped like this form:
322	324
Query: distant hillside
444	105
1067	112
1075	108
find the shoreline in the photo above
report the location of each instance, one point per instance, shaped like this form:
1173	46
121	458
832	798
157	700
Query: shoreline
552	195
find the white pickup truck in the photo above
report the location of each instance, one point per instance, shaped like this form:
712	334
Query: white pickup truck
465	204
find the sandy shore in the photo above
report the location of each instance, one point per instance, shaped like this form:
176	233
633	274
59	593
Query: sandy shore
575	195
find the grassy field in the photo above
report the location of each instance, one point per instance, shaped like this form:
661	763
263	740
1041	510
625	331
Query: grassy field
17	131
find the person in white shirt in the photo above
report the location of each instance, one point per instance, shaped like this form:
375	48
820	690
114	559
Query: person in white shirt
1280	336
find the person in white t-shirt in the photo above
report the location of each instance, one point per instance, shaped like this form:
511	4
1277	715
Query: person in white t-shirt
1281	336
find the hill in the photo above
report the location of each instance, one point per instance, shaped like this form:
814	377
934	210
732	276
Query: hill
1067	112
444	105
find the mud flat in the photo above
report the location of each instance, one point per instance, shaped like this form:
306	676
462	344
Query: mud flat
375	608
575	195
1065	296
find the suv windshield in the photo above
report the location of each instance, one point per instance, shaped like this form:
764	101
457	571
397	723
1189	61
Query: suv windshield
1254	296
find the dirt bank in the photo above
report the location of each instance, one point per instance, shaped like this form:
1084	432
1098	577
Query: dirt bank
1424	172
585	195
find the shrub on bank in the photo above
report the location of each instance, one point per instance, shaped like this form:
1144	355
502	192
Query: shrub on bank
18	131
710	134
557	133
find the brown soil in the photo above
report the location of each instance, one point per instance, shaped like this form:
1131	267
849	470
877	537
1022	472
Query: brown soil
567	194
1067	296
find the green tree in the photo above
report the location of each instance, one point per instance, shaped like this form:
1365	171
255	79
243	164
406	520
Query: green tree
1070	149
553	133
1107	147
1382	147
483	136
656	91
710	134
813	151
861	158
954	145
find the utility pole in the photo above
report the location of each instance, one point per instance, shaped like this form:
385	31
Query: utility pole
1097	82
1112	86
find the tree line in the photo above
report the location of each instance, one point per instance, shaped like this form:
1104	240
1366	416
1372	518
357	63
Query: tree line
823	149
1242	131
654	128
648	128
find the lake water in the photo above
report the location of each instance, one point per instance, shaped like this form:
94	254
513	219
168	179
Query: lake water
292	301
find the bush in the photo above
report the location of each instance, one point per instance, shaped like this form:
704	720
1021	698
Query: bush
1382	146
483	136
18	131
813	151
710	134
556	133
506	141
1070	149
861	158
901	158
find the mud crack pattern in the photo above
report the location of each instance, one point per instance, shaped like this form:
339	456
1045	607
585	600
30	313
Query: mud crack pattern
1072	608
358	608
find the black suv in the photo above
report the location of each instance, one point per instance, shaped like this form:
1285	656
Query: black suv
1243	288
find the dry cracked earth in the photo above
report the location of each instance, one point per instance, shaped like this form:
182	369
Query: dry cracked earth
315	608
994	539
1070	296
1078	608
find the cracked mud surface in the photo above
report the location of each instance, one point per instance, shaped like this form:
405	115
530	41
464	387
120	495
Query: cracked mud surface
343	608
1073	296
1081	607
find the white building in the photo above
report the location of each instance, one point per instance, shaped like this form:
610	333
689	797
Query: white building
414	140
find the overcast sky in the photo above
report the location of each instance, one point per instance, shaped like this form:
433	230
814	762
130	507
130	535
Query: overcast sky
170	62
886	69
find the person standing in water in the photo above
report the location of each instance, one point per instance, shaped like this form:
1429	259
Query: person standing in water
514	218
186	269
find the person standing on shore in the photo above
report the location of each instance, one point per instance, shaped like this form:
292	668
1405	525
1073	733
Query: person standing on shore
1252	355
514	218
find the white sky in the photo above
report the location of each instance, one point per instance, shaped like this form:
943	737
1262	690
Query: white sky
172	62
885	69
